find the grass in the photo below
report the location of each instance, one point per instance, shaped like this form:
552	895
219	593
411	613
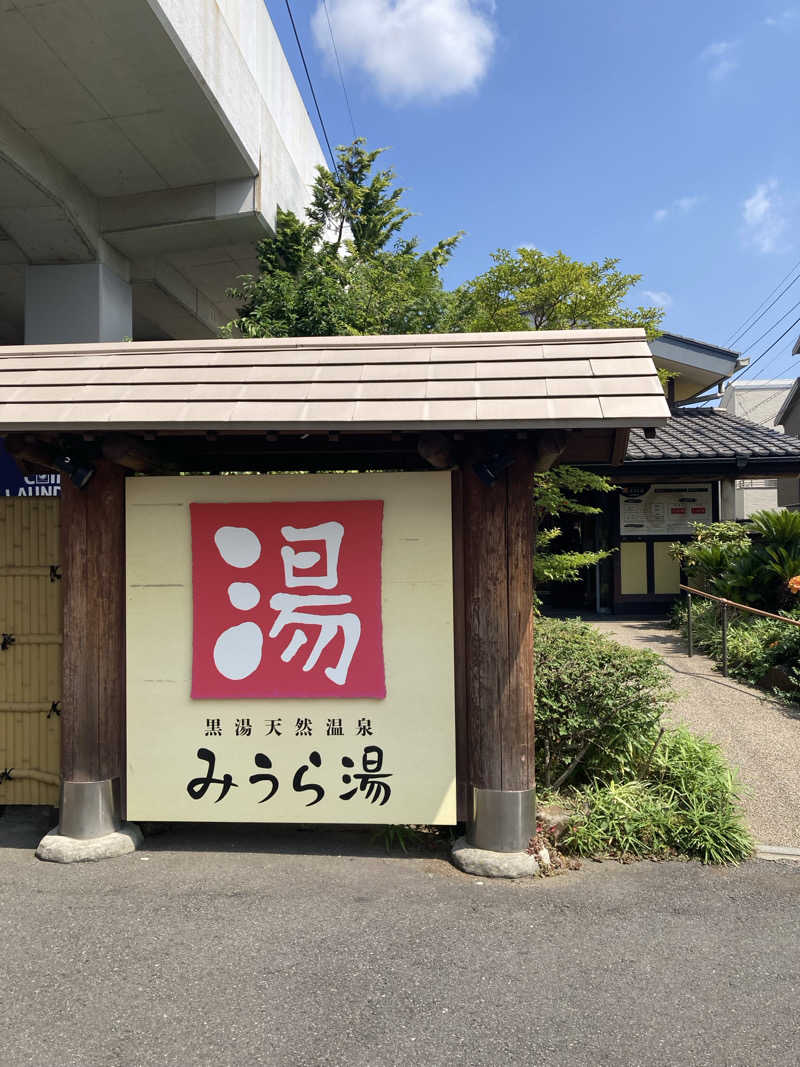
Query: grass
686	805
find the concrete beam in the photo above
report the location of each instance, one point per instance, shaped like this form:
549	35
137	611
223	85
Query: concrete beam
163	296
179	220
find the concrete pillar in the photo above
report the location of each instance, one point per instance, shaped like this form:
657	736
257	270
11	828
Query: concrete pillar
76	302
727	499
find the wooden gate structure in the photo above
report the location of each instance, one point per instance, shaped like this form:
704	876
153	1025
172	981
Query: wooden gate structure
30	650
492	408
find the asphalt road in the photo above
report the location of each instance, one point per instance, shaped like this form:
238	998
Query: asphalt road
247	945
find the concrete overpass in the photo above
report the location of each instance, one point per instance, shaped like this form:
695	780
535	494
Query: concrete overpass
144	148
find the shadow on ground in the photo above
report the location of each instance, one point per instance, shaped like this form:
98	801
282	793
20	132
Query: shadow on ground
23	828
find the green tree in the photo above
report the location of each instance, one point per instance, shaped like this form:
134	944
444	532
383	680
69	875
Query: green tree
345	269
557	493
528	290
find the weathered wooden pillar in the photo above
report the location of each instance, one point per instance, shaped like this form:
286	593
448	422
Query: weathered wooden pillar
92	718
497	523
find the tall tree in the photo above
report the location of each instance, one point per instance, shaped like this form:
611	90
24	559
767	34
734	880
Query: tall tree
528	290
345	269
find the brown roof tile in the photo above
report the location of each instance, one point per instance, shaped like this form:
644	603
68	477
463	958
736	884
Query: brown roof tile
572	378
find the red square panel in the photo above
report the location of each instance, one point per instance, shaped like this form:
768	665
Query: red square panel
287	599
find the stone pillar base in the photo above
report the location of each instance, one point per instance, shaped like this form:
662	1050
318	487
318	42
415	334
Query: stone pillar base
487	864
57	848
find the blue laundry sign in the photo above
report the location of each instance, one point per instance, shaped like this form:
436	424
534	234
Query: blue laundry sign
14	483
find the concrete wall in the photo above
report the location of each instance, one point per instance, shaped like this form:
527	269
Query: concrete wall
789	493
153	137
759	402
235	49
756	494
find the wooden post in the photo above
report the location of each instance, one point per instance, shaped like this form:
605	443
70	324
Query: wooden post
497	526
92	720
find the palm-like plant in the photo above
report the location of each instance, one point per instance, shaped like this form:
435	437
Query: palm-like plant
778	528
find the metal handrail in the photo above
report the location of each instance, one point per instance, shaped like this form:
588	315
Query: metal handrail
690	592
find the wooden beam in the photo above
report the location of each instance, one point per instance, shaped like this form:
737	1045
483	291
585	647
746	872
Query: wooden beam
619	447
92	561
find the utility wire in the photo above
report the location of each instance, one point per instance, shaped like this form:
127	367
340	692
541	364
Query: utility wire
737	333
339	67
769	330
767	308
311	86
761	355
768	382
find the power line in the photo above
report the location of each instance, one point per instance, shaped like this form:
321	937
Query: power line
758	359
767	308
311	86
339	67
769	330
773	381
746	326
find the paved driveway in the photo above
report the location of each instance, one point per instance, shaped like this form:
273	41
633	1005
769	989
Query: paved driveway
247	946
758	735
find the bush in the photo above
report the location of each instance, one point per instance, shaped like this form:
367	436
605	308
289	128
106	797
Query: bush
635	789
592	697
757	563
687	805
756	646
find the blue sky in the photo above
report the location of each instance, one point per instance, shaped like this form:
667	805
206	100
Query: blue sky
662	134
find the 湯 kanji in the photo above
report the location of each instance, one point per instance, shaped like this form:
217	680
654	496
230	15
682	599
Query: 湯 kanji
370	781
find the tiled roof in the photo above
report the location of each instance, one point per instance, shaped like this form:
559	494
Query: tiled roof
565	378
710	433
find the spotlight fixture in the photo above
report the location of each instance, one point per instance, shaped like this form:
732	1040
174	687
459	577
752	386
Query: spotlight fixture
491	469
79	473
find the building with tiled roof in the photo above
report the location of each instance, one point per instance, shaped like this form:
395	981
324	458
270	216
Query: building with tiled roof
694	468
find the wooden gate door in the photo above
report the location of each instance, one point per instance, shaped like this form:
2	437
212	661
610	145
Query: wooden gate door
30	650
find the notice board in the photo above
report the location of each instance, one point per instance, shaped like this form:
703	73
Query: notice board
664	509
290	649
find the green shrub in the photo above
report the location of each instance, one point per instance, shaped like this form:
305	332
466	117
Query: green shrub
755	644
687	804
749	563
634	789
592	697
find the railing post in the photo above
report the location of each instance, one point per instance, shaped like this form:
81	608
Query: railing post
689	633
724	639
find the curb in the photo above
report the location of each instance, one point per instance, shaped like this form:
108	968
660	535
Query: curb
777	852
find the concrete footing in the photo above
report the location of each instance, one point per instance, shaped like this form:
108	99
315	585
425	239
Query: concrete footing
487	864
58	848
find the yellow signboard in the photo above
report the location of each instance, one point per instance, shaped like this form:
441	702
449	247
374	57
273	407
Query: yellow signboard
324	586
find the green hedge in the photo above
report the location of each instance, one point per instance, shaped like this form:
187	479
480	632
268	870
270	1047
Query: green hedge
634	787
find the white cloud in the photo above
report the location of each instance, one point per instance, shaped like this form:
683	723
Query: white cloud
657	297
785	18
682	206
720	59
763	219
412	49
